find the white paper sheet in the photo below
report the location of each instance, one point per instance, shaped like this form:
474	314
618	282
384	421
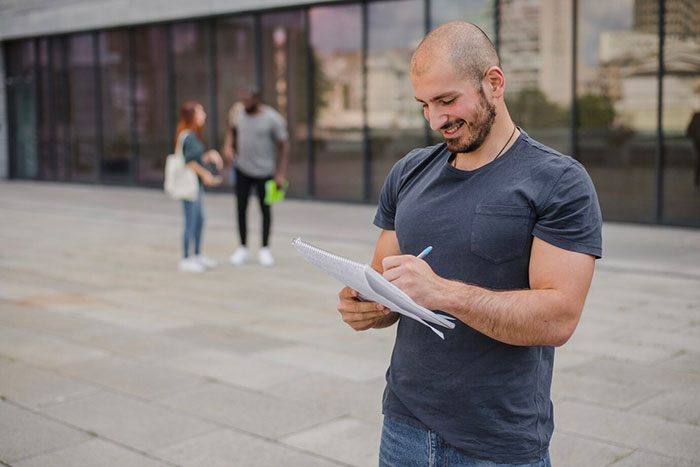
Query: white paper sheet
371	285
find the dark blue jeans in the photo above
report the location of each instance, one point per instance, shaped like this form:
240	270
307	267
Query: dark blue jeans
194	223
404	445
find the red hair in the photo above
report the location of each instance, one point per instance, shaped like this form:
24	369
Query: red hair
187	120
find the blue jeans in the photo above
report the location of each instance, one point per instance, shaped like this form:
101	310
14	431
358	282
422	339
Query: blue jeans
194	223
404	445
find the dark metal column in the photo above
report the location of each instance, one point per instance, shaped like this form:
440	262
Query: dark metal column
659	118
53	157
99	135
258	46
310	107
366	148
133	124
170	65
213	114
38	111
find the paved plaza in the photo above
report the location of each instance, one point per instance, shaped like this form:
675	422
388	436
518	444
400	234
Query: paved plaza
111	357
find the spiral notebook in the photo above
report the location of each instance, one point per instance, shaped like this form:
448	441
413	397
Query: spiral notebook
371	285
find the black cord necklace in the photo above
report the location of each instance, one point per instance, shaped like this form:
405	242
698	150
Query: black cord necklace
454	161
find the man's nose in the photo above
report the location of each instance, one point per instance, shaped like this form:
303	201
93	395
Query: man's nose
436	118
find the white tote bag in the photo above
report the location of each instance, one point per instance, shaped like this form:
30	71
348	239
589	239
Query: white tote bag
181	182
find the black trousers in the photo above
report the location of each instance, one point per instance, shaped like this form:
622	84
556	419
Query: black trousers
243	185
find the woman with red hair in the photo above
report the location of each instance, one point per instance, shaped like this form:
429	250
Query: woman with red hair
192	118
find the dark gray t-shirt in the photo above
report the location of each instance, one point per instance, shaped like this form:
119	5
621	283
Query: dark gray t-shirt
489	399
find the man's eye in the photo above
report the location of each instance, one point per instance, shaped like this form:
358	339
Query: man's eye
448	101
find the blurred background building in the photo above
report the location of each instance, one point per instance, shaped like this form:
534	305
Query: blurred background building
90	89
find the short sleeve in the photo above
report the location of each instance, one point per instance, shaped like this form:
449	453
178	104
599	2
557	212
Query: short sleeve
570	217
279	131
388	198
190	149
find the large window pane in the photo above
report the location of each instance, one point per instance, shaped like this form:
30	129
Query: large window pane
681	113
191	66
83	120
22	106
284	86
235	66
395	119
536	56
114	73
151	100
616	96
336	40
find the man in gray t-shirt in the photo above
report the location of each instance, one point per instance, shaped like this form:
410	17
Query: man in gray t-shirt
257	145
515	228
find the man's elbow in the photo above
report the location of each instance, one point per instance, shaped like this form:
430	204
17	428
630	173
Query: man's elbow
567	327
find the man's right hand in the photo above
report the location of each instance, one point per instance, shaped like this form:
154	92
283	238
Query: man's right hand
357	314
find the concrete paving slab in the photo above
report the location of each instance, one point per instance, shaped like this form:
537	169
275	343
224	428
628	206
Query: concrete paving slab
231	338
313	359
128	421
24	434
348	440
627	429
42	350
605	393
570	450
241	371
227	448
252	412
140	379
335	395
92	453
642	458
35	387
681	405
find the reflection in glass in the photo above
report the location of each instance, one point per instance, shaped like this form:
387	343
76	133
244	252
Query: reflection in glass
191	66
616	103
21	95
681	113
479	12
114	73
395	119
151	100
336	42
536	57
235	67
284	86
83	119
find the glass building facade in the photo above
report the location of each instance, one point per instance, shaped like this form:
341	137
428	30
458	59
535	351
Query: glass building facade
614	84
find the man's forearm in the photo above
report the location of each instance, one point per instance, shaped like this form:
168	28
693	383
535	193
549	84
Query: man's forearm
516	317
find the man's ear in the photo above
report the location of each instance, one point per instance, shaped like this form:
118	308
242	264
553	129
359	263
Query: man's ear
495	82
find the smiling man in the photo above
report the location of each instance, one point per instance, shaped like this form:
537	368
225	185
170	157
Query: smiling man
515	228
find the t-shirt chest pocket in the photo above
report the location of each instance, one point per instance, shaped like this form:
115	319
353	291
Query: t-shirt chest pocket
500	233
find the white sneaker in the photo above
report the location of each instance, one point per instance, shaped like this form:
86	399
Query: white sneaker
241	256
190	265
205	261
265	257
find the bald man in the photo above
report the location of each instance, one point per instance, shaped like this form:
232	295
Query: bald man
515	228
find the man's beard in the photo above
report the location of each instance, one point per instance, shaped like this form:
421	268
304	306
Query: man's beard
251	109
479	128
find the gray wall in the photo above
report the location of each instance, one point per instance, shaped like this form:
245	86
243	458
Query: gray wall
25	18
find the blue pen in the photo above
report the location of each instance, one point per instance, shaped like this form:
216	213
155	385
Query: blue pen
424	253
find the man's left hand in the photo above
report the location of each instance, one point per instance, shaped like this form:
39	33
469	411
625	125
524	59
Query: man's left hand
279	180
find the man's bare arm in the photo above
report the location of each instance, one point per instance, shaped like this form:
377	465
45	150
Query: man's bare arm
545	314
